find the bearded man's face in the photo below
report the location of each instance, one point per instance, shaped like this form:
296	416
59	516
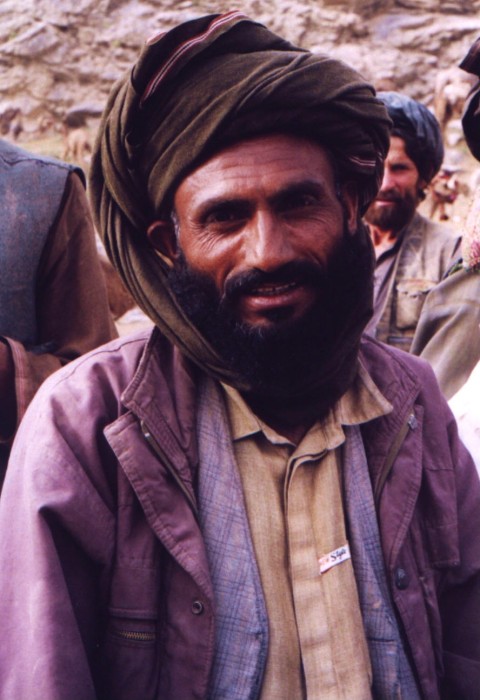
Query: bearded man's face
268	356
262	245
400	193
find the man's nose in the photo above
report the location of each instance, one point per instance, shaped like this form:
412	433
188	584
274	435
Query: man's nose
388	182
269	242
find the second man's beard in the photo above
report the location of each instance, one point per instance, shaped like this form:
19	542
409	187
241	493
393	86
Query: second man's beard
394	217
286	358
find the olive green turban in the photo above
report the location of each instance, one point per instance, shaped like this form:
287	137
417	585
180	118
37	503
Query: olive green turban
201	86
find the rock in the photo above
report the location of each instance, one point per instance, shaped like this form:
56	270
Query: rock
36	41
63	57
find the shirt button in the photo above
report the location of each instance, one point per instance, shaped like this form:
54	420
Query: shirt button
197	607
401	579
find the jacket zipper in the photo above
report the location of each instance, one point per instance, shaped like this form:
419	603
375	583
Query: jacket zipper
410	424
171	467
135	636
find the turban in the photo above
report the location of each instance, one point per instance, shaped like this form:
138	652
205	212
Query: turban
205	84
420	130
471	112
471	129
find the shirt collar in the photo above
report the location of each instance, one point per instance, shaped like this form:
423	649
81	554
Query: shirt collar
361	403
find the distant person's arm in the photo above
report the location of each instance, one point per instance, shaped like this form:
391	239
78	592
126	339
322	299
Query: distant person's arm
7	392
72	308
447	334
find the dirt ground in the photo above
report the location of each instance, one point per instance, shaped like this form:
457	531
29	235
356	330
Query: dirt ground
133	321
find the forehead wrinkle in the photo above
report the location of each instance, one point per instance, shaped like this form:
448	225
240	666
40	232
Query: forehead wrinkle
309	186
274	198
255	170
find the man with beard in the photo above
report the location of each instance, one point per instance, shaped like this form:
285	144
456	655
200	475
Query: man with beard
253	502
413	253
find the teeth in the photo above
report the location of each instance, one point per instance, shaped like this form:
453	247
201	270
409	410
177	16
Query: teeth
274	289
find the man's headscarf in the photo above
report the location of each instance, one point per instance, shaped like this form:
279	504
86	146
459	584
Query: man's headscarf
418	127
208	83
471	129
471	112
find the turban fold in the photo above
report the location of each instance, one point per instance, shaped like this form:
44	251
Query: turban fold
471	112
206	84
471	129
420	130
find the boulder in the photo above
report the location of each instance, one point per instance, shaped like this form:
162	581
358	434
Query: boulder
62	58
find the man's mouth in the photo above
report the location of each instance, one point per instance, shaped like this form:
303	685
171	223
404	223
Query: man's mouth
387	200
275	302
272	289
260	297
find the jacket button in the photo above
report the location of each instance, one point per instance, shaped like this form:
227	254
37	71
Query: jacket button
412	422
401	579
197	607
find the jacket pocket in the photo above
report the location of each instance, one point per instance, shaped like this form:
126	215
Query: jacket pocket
383	655
411	295
131	632
129	659
462	677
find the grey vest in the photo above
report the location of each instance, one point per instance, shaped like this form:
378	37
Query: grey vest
31	190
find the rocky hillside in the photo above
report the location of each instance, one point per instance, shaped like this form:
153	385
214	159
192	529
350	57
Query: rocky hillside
59	56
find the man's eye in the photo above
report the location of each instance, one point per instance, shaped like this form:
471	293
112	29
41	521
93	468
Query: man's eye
225	215
299	201
220	216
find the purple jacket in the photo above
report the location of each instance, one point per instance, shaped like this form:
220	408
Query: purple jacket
105	589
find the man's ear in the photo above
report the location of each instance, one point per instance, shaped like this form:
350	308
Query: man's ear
350	205
422	188
162	237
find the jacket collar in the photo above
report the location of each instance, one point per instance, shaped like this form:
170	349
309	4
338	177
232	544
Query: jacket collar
162	392
162	395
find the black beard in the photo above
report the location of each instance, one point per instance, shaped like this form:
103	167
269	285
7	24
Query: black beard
275	359
392	218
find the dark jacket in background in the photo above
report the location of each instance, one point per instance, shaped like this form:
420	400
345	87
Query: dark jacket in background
53	300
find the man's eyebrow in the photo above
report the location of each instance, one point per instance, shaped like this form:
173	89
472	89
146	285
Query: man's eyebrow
216	203
308	186
315	187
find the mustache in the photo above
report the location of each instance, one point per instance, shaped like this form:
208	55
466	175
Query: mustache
304	271
388	196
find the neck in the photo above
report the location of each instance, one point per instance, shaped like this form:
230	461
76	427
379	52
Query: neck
290	419
382	240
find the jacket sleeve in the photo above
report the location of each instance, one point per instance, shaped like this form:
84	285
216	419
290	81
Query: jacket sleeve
448	333
73	315
459	598
56	540
448	510
429	517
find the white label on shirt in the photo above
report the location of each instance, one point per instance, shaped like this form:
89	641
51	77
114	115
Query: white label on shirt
333	558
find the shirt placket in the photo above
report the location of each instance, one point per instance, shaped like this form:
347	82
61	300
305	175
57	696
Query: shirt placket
313	630
330	629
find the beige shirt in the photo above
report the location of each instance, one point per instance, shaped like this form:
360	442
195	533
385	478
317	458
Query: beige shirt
293	497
